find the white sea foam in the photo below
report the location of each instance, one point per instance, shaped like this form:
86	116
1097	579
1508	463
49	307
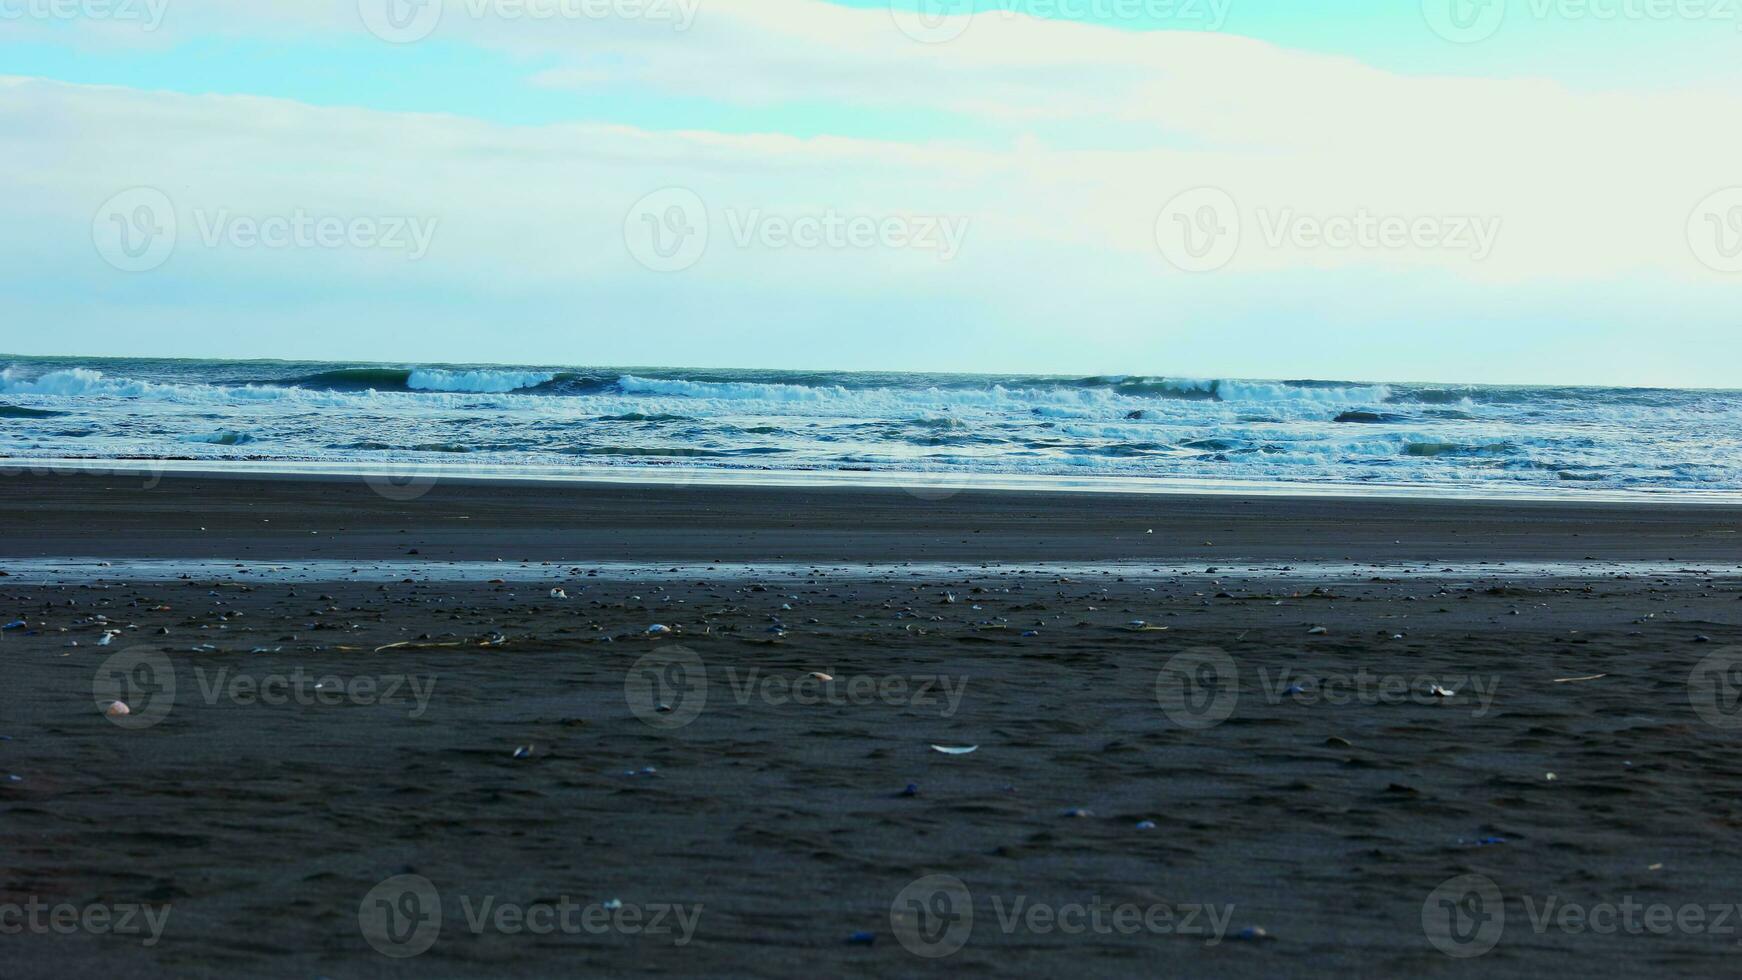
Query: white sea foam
1133	426
78	381
481	381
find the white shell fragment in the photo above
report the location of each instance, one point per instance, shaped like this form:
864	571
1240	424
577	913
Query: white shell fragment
953	750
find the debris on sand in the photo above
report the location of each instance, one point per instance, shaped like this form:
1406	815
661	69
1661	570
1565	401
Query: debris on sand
416	645
953	750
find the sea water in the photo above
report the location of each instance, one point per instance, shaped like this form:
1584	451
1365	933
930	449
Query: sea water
556	419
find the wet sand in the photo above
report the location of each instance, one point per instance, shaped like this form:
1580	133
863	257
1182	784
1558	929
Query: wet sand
337	518
1320	792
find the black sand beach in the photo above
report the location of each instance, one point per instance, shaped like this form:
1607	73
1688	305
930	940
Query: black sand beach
1224	756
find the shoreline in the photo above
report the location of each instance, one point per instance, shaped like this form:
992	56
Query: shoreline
76	570
416	475
461	685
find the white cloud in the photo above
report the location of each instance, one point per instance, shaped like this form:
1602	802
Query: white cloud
1577	187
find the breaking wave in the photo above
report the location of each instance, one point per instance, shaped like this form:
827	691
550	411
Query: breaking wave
1332	432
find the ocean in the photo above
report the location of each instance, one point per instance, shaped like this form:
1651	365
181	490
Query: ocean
1327	435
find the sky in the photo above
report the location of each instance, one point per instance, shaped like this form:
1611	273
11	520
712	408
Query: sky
1505	191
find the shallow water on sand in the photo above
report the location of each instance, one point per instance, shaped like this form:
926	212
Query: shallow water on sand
87	570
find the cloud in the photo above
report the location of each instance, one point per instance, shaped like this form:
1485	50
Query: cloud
1353	189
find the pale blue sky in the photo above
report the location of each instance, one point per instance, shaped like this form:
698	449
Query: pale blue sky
1599	149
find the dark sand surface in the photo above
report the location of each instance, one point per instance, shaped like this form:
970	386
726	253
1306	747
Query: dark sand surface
197	517
1326	817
